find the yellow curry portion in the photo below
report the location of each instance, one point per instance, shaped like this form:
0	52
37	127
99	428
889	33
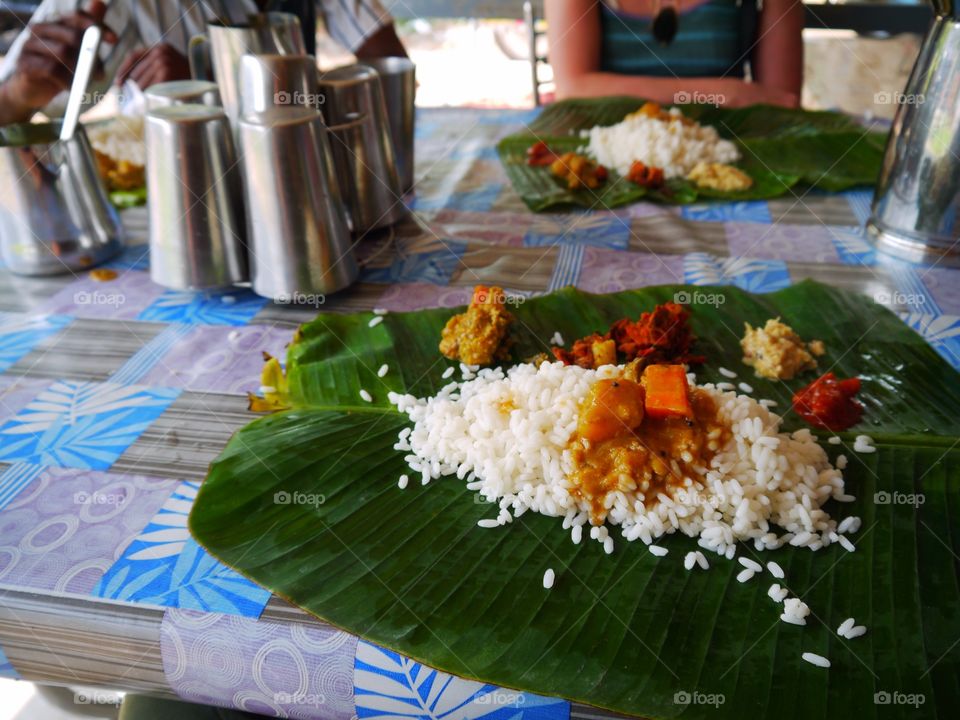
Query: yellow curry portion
617	446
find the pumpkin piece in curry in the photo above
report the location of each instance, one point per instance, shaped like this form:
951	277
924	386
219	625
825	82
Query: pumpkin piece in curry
578	171
479	336
642	437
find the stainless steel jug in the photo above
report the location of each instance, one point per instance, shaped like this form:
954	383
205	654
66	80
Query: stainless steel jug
54	213
916	206
268	33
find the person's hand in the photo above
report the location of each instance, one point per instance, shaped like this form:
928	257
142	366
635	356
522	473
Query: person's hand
47	61
160	63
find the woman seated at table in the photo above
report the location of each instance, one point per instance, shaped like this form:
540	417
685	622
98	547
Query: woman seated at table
677	51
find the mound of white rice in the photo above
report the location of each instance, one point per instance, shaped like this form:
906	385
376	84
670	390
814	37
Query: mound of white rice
506	434
120	138
673	146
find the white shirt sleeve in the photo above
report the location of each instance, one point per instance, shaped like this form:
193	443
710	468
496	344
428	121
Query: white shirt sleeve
351	22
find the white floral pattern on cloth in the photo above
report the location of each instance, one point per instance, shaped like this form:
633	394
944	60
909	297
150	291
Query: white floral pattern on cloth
293	670
20	334
232	307
165	566
389	686
82	424
941	331
755	211
852	246
745	273
596	229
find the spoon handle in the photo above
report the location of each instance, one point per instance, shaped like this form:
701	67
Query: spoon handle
81	78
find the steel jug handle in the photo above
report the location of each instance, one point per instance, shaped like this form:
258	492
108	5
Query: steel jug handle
198	54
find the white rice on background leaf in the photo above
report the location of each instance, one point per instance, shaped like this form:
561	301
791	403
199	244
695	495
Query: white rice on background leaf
764	486
120	138
673	146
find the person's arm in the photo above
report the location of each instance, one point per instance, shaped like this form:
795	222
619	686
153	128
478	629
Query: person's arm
778	55
573	32
156	64
44	65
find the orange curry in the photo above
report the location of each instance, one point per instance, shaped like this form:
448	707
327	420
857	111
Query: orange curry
625	440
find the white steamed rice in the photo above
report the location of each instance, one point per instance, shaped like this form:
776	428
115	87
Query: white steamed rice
672	146
120	138
764	486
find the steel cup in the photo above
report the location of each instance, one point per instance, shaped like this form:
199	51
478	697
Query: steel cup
398	77
362	148
300	244
277	80
182	92
194	199
273	32
54	212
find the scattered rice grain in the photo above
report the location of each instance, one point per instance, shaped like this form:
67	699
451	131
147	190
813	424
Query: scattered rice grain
548	577
814	659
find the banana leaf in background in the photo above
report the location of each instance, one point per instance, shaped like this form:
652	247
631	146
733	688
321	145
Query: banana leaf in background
123	199
780	148
410	570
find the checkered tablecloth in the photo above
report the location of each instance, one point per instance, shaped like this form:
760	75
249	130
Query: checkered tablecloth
115	396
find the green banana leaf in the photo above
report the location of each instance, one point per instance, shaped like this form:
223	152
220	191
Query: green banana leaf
780	148
123	199
410	570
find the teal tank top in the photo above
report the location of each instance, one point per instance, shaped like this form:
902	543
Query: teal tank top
711	41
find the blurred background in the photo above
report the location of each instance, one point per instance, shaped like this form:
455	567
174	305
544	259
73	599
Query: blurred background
482	53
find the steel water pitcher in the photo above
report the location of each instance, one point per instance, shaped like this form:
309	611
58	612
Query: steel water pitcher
54	212
916	206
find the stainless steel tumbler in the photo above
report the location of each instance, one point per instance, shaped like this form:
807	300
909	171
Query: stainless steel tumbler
194	198
277	80
398	77
362	148
300	246
223	45
182	92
